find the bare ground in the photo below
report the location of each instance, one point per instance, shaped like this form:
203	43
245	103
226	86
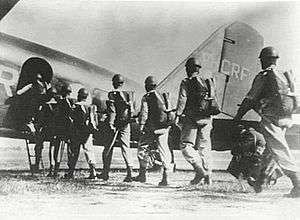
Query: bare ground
26	196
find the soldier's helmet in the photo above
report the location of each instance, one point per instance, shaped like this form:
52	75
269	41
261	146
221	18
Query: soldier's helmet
150	81
268	52
192	62
66	89
118	78
83	93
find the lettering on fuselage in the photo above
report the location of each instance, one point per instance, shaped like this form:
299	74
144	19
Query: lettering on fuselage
233	69
8	77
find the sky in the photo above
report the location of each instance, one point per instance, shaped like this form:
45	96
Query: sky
142	38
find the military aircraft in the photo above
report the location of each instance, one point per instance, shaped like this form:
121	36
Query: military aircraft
229	55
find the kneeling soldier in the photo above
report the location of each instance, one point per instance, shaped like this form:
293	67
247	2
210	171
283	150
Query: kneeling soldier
154	127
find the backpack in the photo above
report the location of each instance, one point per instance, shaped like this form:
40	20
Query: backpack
158	104
202	96
281	96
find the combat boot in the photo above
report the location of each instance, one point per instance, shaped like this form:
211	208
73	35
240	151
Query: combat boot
164	181
106	164
34	168
50	174
199	174
295	178
207	180
56	169
93	175
69	175
141	177
104	175
128	178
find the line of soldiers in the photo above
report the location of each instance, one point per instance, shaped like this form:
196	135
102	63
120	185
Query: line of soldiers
193	114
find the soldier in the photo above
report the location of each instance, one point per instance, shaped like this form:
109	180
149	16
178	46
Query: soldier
119	107
154	127
36	112
196	125
265	97
61	126
82	135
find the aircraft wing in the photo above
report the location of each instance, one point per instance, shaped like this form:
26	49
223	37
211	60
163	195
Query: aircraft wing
67	69
6	6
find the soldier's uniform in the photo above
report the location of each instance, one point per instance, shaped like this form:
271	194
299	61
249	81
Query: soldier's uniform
195	136
62	129
273	121
82	135
119	106
154	133
37	114
273	125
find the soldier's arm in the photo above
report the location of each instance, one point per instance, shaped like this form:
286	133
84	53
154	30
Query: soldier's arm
252	96
143	116
24	89
111	109
182	97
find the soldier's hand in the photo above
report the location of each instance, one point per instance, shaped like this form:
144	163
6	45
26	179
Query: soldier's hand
141	130
112	128
177	119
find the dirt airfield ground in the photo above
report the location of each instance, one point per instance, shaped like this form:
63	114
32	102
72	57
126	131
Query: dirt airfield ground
23	196
38	197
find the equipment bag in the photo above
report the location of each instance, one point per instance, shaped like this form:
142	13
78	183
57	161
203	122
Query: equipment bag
253	160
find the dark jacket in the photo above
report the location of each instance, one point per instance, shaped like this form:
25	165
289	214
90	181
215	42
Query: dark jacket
119	106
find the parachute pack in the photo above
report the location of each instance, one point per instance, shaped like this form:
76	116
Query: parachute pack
85	117
280	92
158	104
203	96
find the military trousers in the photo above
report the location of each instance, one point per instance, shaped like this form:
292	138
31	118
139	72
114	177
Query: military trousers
74	150
158	137
276	141
124	139
195	142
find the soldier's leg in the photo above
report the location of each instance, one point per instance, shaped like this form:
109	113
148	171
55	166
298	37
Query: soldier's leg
143	156
275	138
57	148
124	137
89	153
106	158
203	144
73	154
187	142
38	150
51	157
165	154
